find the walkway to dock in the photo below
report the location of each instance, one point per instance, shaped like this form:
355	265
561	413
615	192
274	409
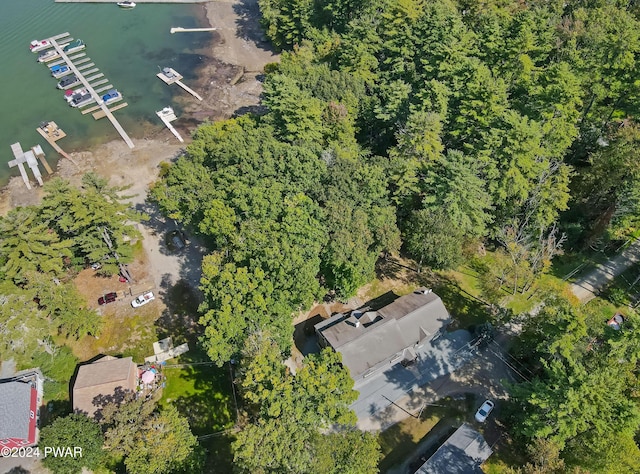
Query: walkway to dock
176	79
93	93
167	115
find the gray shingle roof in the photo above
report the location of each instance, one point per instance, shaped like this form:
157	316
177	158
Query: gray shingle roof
15	405
368	340
462	453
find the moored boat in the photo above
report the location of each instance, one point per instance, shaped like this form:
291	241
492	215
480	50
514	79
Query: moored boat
60	70
111	96
36	45
71	94
67	82
82	99
75	45
126	4
48	56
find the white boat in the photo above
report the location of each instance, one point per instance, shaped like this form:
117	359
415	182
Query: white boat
126	4
48	56
36	45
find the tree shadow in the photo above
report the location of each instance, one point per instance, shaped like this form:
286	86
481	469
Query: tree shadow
248	25
180	318
305	337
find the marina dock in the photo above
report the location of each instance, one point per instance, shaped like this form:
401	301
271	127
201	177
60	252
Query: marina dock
173	77
86	83
167	115
52	133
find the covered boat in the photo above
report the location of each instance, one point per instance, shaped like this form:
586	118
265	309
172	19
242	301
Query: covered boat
68	81
75	45
126	4
48	56
70	94
111	96
60	70
79	100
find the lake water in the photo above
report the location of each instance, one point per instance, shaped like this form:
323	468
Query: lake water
127	46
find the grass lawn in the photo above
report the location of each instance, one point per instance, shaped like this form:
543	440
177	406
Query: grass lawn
202	393
400	441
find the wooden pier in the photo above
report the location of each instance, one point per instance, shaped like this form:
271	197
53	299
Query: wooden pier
176	78
52	133
37	150
167	115
86	83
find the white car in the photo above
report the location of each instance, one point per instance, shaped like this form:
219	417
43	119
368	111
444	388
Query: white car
143	299
484	410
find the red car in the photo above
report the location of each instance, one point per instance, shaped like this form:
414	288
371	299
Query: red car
108	298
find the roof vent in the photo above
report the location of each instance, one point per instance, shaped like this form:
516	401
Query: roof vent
357	324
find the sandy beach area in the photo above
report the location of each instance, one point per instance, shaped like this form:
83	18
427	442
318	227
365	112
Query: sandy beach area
228	81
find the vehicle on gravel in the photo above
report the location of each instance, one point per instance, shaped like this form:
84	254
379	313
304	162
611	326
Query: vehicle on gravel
484	411
108	298
143	299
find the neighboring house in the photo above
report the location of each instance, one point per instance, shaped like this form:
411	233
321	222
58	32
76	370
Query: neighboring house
106	380
20	400
462	453
374	341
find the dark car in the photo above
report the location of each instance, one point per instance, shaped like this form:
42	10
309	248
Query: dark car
175	240
108	298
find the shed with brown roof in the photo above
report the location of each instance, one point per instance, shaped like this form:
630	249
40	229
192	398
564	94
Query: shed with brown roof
104	380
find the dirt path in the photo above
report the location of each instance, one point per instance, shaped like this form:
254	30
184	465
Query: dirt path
587	287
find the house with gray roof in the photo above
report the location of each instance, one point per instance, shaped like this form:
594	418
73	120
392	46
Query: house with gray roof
373	341
463	453
20	400
105	380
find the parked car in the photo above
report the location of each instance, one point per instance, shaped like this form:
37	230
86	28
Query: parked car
484	411
175	240
143	299
96	266
108	298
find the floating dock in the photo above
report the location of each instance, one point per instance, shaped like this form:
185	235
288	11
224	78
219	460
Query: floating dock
189	30
86	83
175	78
30	159
52	133
167	115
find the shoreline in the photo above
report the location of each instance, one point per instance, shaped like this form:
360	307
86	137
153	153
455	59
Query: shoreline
228	80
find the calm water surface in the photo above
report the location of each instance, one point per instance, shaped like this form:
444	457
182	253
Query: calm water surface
126	45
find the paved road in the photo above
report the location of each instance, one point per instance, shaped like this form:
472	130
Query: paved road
587	287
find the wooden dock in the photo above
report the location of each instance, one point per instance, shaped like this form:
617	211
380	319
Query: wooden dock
19	162
37	150
167	115
94	94
101	113
52	133
176	78
29	158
